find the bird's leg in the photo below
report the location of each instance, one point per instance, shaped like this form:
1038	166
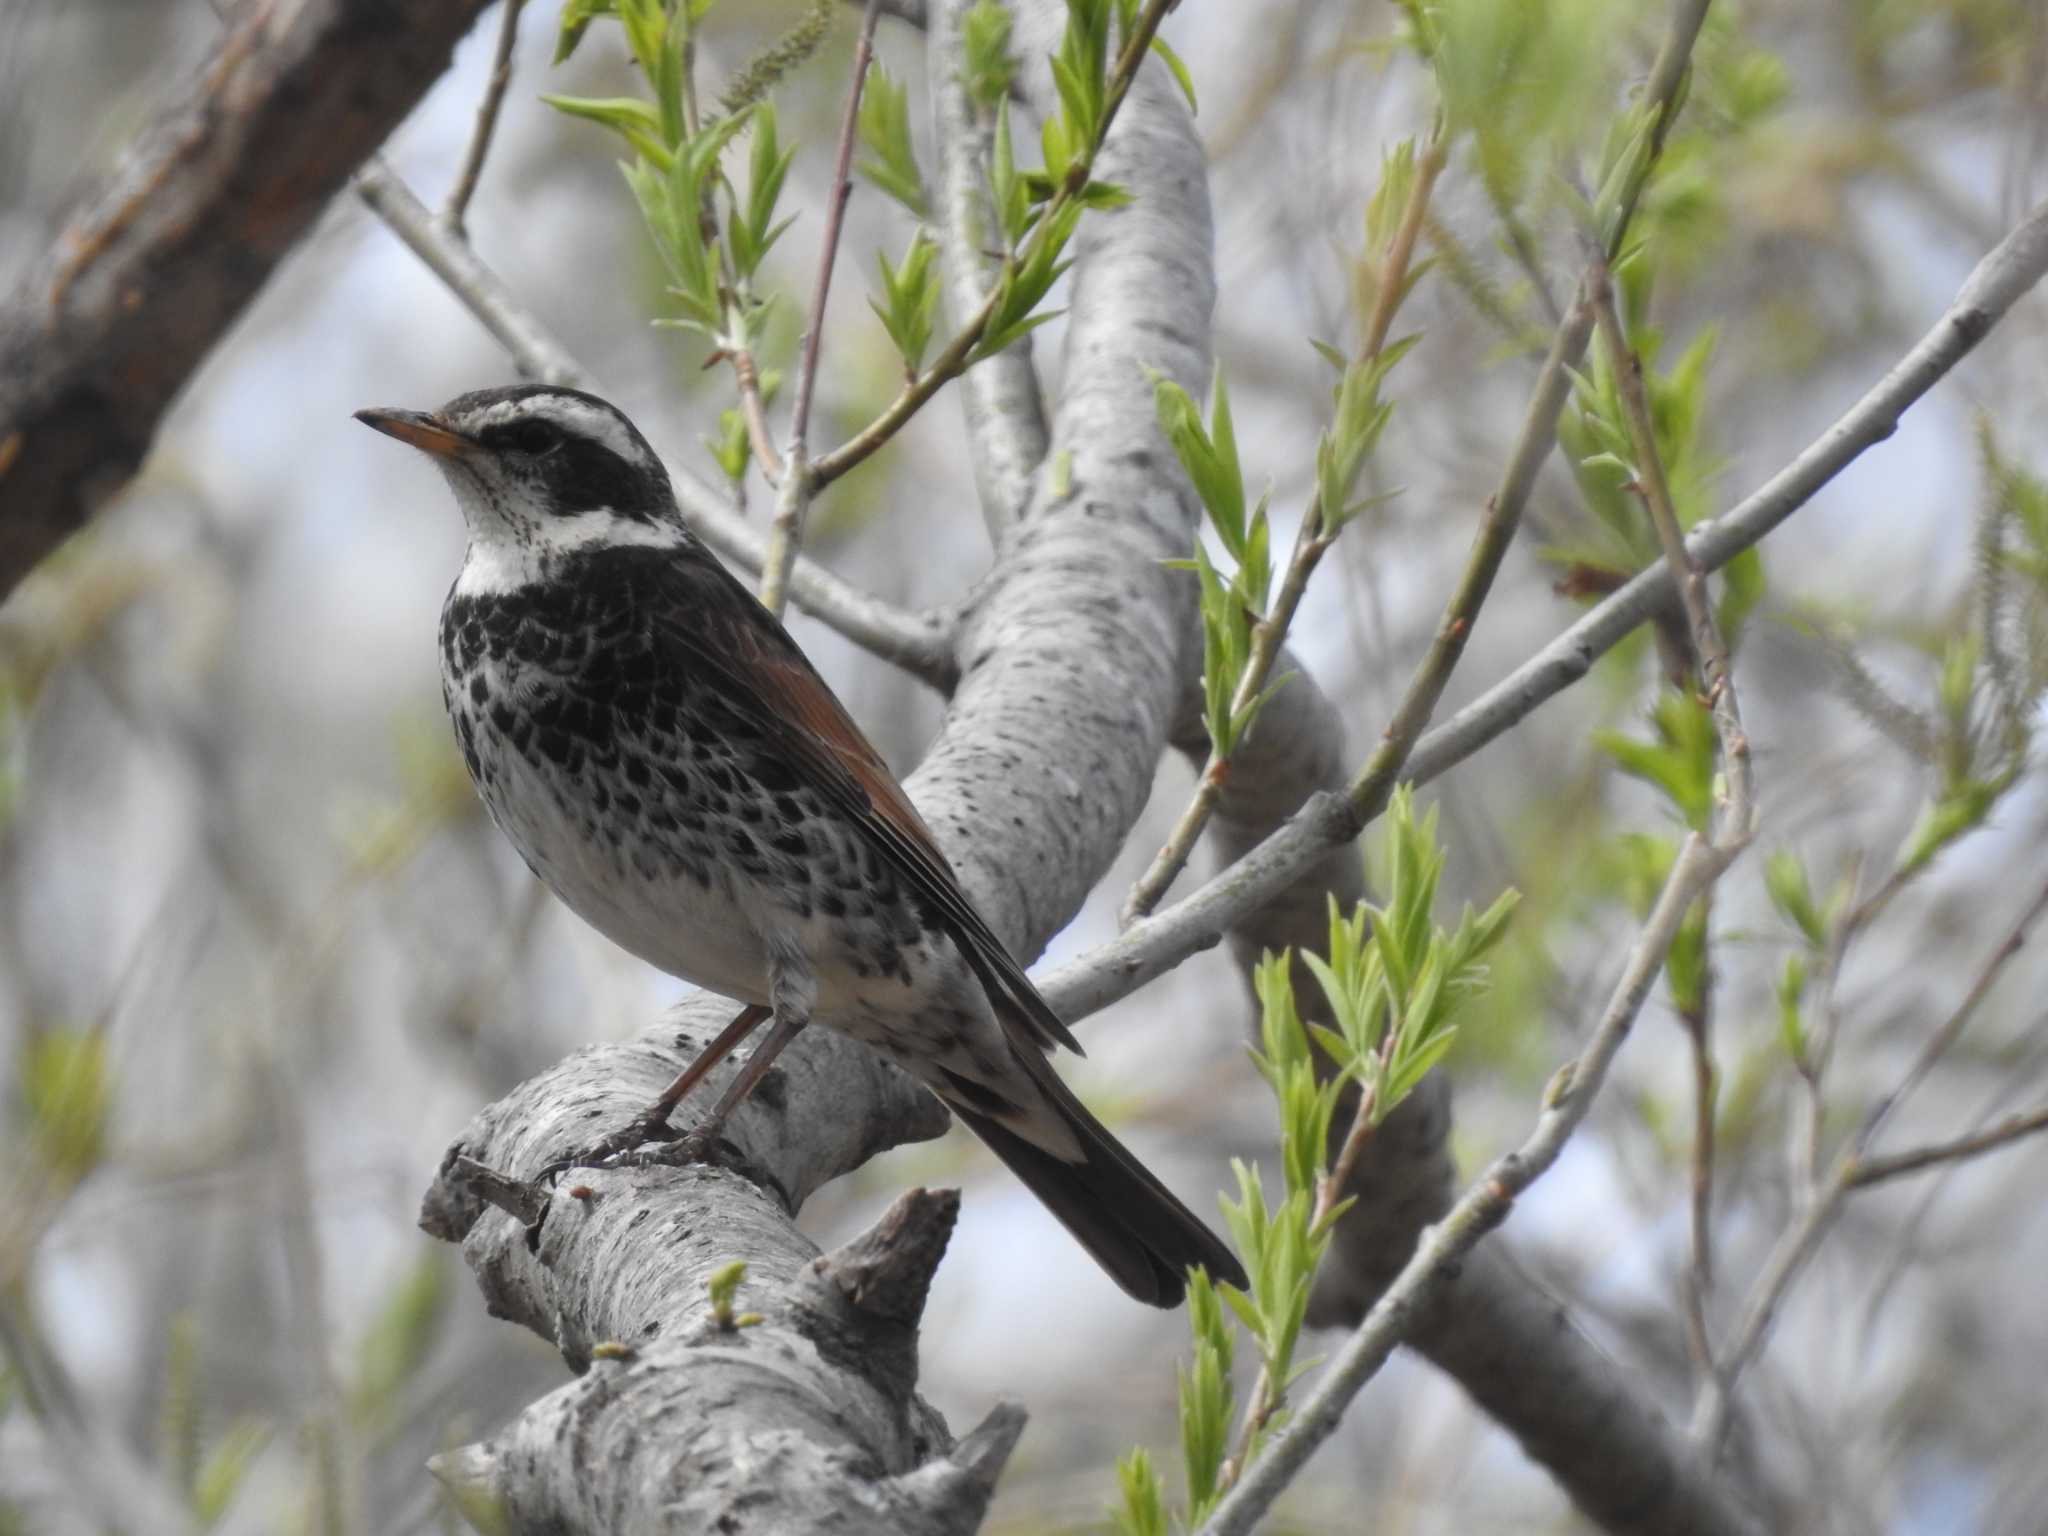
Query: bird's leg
792	991
652	1123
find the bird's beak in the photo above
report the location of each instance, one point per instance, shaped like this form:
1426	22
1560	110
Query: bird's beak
425	432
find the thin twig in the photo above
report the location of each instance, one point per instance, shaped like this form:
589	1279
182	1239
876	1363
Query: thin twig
1432	1269
1311	541
1713	1411
793	495
954	357
1710	658
1698	1023
920	643
456	208
746	373
2012	1128
1154	945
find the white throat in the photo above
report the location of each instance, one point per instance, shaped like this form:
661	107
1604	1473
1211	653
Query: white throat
499	560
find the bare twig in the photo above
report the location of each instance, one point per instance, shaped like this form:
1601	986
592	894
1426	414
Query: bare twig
794	494
954	357
1316	534
1713	1411
1876	1170
452	259
746	373
457	206
920	643
1156	944
1710	657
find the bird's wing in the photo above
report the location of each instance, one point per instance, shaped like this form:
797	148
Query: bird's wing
732	641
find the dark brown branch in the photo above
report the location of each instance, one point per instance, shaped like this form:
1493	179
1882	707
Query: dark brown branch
146	278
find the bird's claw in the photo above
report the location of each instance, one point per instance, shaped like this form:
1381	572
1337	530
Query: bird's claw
628	1149
613	1151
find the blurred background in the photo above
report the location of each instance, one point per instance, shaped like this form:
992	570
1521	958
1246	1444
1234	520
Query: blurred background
261	955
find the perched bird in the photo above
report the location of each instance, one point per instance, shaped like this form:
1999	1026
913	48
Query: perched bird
673	768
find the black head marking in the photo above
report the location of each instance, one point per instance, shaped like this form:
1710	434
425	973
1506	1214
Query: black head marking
576	451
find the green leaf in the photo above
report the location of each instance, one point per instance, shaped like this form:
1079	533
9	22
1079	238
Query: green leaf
1209	456
576	16
634	120
733	446
1141	1510
985	45
1791	1020
885	131
753	230
910	300
400	1337
67	1092
1785	880
1012	198
1179	68
225	1468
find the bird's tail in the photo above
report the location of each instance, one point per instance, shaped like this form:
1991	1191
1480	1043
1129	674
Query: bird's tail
1130	1222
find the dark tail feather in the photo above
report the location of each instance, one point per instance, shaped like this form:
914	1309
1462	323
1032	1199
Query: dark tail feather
1131	1223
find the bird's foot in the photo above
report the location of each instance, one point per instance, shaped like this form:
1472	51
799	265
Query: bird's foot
699	1144
621	1148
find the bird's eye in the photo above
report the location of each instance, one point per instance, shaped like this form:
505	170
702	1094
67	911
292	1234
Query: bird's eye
535	437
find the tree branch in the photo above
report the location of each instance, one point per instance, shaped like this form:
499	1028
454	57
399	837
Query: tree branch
456	210
1006	431
793	495
920	643
146	278
1431	1273
1155	945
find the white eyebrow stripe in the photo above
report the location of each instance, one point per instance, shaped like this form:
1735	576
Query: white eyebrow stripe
580	417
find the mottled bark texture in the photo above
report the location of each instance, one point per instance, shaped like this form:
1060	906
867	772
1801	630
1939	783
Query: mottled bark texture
149	275
1072	661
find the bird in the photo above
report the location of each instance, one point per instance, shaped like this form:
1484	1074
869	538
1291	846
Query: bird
669	763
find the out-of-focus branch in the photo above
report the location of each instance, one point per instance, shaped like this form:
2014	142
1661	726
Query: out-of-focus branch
2013	1128
1006	432
920	643
1155	945
146	278
1713	1413
457	207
